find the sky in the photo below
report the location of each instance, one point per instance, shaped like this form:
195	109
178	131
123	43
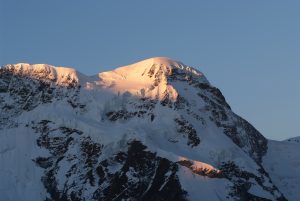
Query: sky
250	50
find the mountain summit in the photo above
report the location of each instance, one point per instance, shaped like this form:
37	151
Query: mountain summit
153	130
150	78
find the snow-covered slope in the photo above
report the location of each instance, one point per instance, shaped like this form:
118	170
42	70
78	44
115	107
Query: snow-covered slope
154	130
282	162
295	140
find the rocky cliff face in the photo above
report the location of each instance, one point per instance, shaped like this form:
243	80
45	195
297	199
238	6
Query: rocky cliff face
154	130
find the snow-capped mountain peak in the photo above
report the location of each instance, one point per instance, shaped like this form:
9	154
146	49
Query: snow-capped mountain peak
154	64
150	77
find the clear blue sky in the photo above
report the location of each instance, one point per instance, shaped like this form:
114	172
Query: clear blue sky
249	49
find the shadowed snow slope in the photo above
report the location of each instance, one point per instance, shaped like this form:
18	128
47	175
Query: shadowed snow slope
153	130
295	140
282	162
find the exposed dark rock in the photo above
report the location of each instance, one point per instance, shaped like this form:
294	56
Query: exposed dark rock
124	115
215	92
242	183
187	129
140	175
26	93
143	176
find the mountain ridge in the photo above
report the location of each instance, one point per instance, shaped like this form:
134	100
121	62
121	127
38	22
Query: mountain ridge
136	72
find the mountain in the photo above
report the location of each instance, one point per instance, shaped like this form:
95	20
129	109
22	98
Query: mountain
153	130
